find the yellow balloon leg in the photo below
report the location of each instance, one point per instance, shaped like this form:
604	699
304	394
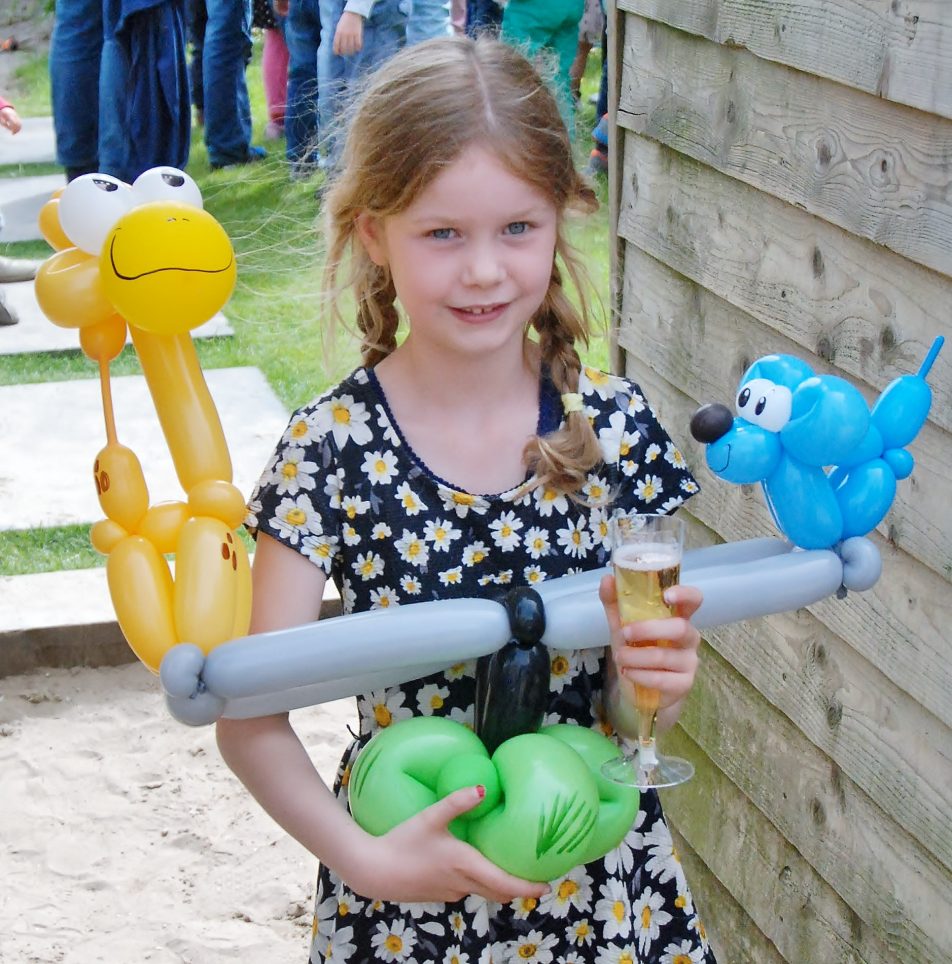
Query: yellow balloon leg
184	405
141	588
212	583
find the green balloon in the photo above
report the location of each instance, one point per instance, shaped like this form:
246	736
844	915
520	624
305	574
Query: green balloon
547	807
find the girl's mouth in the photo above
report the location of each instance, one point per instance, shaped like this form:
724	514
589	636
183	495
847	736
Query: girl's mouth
479	314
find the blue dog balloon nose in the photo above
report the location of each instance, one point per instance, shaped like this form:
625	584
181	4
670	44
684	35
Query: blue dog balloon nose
711	422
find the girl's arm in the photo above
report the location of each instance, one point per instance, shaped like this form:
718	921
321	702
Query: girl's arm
419	860
669	669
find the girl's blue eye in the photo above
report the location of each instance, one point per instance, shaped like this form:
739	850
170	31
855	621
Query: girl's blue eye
517	227
442	234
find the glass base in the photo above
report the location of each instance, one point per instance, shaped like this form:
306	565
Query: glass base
649	771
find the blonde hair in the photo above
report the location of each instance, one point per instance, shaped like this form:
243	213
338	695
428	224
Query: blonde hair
417	115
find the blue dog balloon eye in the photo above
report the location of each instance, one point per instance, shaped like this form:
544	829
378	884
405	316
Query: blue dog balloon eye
771	411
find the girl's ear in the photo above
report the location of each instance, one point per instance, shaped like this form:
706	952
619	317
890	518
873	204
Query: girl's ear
370	231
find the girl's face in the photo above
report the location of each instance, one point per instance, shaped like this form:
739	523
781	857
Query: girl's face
471	258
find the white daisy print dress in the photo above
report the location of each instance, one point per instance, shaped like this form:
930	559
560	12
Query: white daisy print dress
346	490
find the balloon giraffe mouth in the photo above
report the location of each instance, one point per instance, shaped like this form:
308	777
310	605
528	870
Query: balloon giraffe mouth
144	274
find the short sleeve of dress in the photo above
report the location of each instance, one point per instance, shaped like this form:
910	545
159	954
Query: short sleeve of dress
650	472
298	496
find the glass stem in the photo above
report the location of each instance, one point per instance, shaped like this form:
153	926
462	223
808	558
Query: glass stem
646	739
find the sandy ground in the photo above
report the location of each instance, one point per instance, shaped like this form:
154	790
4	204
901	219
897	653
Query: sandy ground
126	839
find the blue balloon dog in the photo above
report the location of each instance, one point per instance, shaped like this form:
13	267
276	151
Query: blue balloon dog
827	463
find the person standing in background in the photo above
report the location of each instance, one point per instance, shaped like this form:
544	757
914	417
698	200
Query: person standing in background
548	25
303	36
275	62
356	37
118	86
482	16
426	19
219	90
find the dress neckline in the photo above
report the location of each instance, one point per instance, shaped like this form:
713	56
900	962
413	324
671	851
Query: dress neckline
549	419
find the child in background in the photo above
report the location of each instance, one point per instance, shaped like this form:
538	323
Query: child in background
274	62
474	453
356	37
551	26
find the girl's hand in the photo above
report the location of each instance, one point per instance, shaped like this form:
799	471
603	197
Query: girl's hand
669	669
421	861
349	36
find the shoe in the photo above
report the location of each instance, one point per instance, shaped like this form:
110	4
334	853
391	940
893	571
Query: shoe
18	269
597	162
7	315
273	131
254	154
600	133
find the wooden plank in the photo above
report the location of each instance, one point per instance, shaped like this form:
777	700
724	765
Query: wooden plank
733	936
878	170
901	625
853	303
792	909
615	24
900	50
888	880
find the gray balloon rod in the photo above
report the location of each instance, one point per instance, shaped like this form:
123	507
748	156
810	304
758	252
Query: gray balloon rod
349	655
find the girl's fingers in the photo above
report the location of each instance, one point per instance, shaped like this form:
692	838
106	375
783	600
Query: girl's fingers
609	597
675	630
444	811
684	600
656	658
670	684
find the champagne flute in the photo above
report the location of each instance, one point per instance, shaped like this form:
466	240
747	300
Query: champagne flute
646	557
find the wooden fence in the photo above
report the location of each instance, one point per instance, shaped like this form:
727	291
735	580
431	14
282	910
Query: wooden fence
782	182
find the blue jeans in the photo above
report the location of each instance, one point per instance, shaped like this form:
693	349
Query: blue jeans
75	56
426	19
302	33
196	18
384	34
225	55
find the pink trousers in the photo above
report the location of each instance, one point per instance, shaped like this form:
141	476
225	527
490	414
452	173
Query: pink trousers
274	71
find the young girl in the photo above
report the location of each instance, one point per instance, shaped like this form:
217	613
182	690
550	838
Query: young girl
473	454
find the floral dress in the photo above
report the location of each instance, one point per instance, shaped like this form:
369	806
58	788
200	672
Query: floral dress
346	490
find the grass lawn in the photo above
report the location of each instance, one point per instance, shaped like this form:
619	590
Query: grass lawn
276	309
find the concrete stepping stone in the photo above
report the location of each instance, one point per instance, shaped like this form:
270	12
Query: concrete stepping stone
36	333
67	619
34	144
20	201
50	434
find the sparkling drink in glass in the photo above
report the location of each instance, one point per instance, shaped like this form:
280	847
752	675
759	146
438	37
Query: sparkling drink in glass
646	558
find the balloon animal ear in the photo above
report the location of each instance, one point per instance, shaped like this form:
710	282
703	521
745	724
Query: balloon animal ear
828	419
786	370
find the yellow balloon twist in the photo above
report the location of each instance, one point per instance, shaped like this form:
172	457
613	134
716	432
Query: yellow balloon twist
149	260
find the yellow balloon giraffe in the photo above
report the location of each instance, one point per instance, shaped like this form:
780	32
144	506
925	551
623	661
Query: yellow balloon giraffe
148	259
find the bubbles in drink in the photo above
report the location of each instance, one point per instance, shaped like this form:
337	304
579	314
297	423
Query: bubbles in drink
642	573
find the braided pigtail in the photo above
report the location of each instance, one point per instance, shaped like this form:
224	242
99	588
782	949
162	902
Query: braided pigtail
562	459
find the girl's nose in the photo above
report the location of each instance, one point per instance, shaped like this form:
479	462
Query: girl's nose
484	266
